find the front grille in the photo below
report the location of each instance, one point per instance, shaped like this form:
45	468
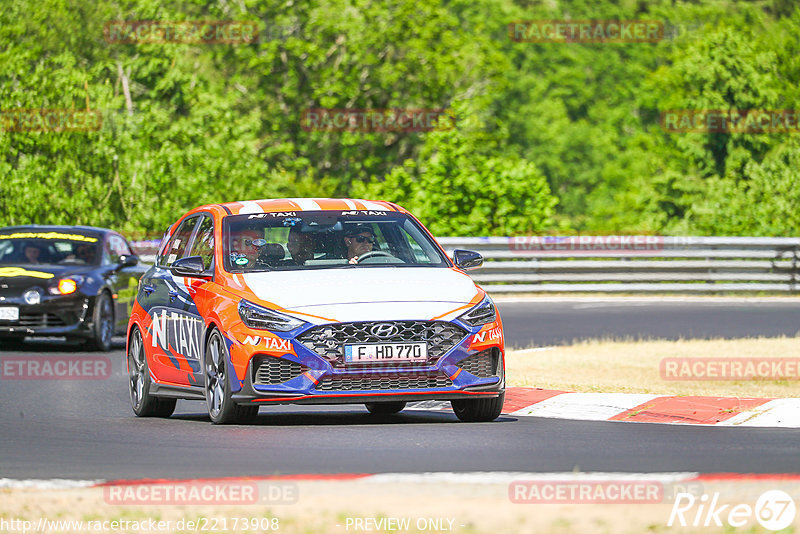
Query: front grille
269	371
482	364
328	341
365	383
40	320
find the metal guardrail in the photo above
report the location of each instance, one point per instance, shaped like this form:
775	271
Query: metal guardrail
547	264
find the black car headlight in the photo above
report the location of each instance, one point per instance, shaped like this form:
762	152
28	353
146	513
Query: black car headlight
66	286
261	318
482	313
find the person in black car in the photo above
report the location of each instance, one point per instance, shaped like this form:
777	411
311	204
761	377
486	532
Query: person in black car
31	253
83	253
86	253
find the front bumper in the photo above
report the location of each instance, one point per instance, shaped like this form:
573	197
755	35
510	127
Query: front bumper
465	371
361	398
54	316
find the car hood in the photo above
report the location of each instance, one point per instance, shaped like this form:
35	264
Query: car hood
360	294
24	276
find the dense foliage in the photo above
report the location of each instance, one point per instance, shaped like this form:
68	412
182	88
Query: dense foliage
549	137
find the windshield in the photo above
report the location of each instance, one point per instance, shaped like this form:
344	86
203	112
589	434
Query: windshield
324	239
36	248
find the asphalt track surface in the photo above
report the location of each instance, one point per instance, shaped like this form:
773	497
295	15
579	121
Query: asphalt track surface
529	324
86	430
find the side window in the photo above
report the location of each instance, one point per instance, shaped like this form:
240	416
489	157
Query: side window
203	245
177	245
162	245
117	247
106	257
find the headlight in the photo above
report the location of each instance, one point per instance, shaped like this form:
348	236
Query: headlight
65	286
483	313
256	316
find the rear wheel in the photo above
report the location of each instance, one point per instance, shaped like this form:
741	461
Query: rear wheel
385	408
103	320
221	408
143	403
478	410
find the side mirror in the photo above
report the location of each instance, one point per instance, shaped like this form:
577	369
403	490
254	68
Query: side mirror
128	260
191	266
467	259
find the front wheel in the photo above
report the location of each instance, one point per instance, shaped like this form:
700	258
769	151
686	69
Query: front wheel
478	410
385	408
143	403
221	408
103	321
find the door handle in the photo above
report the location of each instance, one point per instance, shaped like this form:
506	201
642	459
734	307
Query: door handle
173	295
148	289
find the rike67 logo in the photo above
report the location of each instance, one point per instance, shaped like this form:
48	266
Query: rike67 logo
774	510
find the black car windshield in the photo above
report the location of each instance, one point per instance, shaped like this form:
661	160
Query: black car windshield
34	247
324	239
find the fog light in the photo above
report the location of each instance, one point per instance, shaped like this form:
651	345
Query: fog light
32	296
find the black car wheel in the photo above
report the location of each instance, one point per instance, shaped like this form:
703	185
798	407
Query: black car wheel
103	328
478	410
221	407
385	408
144	404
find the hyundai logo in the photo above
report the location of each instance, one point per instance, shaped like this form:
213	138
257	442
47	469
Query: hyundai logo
384	330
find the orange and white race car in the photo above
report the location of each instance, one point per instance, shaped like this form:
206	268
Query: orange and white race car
311	301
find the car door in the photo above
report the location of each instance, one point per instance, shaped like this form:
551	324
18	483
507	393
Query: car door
174	338
199	288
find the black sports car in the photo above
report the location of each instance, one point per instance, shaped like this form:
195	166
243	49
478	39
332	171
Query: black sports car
73	281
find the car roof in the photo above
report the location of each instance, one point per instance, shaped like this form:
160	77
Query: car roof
57	228
272	205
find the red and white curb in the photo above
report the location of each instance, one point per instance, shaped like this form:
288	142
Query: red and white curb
644	408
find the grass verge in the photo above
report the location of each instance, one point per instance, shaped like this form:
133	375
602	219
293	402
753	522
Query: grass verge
633	367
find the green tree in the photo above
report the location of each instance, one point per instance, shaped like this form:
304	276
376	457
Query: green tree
462	186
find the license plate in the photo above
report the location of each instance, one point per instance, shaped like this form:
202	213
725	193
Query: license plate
9	313
386	352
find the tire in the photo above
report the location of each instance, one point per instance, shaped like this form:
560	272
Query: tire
478	410
385	408
143	403
221	407
103	327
